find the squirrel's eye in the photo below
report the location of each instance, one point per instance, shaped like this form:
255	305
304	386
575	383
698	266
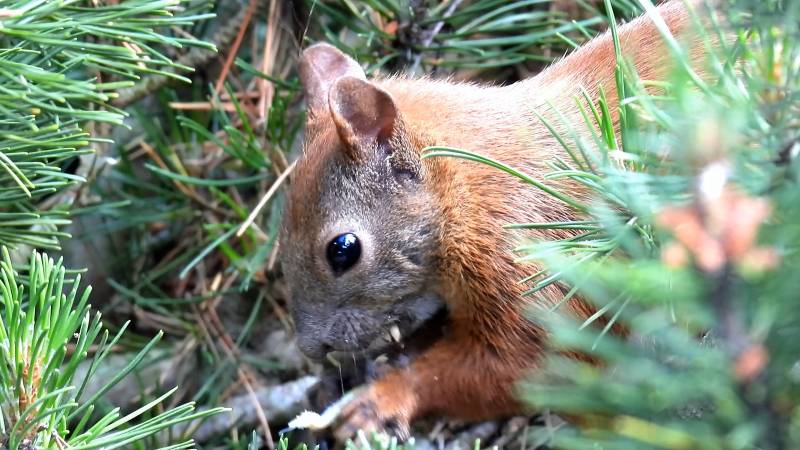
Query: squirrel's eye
343	252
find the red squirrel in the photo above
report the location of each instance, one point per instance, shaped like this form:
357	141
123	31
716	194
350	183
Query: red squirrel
377	238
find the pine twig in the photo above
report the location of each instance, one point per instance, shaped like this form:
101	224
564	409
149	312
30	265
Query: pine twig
432	35
261	203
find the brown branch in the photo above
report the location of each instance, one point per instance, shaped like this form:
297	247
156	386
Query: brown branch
244	373
243	26
281	403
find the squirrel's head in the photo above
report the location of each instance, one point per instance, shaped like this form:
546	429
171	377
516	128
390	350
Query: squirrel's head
359	236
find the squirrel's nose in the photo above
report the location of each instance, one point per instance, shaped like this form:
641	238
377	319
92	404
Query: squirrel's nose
310	334
313	348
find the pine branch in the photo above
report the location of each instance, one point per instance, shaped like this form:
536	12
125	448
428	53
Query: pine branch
40	319
49	93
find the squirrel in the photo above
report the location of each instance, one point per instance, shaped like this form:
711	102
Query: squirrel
377	239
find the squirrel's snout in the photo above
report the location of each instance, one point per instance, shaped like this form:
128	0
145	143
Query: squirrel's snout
348	331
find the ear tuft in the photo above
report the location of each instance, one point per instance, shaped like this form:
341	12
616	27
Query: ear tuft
364	113
320	66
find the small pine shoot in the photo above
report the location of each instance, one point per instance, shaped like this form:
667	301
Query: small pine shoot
62	65
47	330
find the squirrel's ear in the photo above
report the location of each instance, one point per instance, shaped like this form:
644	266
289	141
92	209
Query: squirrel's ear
320	66
364	114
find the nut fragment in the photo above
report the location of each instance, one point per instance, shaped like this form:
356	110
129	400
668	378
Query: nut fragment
394	331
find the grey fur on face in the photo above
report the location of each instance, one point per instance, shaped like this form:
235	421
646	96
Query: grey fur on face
391	284
360	174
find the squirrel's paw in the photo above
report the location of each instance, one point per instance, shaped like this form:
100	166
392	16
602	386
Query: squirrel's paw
377	409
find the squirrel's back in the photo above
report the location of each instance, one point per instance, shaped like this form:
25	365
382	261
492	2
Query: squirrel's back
505	123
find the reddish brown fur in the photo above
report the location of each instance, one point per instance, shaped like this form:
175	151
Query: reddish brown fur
471	372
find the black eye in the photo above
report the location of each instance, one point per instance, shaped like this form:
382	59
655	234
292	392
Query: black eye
343	252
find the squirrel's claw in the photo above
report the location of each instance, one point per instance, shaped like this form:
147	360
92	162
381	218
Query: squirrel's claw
372	412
